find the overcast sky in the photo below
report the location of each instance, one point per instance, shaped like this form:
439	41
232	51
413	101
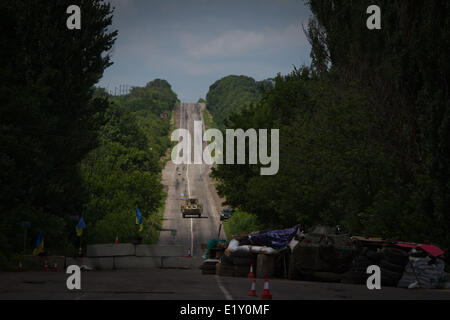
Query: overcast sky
192	43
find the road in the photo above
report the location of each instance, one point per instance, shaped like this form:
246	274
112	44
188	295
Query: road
193	181
176	284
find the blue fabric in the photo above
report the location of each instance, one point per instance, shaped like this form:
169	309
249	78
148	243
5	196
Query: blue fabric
138	216
81	224
274	238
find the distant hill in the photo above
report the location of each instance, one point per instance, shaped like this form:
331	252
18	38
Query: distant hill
230	94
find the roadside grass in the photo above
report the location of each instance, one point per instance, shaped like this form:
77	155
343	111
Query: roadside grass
241	222
209	121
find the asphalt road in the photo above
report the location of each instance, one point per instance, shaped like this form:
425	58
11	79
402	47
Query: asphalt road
176	284
193	181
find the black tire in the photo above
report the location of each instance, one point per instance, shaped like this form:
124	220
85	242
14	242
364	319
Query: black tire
396	256
390	278
391	266
292	272
243	261
209	267
373	256
244	254
226	260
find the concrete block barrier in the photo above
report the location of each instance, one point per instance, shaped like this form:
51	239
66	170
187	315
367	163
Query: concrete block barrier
101	263
147	250
111	250
181	262
133	262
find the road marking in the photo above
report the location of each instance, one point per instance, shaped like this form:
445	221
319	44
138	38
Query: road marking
189	195
223	289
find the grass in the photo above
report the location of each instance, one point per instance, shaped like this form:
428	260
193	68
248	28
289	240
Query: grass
208	119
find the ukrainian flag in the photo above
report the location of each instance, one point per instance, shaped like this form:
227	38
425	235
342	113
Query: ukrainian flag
139	220
39	244
80	226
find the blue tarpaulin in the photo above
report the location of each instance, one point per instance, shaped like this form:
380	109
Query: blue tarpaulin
274	238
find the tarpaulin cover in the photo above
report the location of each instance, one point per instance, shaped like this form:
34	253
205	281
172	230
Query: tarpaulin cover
274	238
428	248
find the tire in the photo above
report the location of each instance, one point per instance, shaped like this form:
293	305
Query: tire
373	256
391	266
396	256
226	260
292	273
243	254
390	278
209	267
243	261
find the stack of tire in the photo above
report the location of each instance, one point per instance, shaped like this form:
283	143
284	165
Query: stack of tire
242	262
226	267
209	266
237	264
392	264
358	271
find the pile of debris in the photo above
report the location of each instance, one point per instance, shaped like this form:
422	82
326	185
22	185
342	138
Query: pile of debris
326	254
258	253
322	254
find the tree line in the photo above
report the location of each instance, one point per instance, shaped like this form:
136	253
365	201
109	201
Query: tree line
68	149
364	129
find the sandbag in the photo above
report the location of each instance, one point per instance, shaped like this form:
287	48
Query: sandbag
233	245
426	273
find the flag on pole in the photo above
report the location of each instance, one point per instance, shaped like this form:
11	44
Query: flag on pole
80	226
39	244
139	220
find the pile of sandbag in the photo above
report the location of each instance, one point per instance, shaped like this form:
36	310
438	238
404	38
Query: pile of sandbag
423	272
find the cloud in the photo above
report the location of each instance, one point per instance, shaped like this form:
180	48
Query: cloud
236	43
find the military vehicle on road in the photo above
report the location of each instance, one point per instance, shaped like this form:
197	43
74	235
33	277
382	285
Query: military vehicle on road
191	208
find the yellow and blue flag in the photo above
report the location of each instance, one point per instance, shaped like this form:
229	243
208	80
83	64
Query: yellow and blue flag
80	226
39	244
139	220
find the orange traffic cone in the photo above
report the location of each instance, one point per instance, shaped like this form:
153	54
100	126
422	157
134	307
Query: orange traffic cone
20	266
117	240
253	289
55	267
46	265
251	274
266	295
189	253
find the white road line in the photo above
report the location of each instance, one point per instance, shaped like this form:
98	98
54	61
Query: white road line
189	195
223	289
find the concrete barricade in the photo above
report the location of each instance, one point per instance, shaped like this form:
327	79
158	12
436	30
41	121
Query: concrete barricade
101	263
111	250
133	262
148	250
